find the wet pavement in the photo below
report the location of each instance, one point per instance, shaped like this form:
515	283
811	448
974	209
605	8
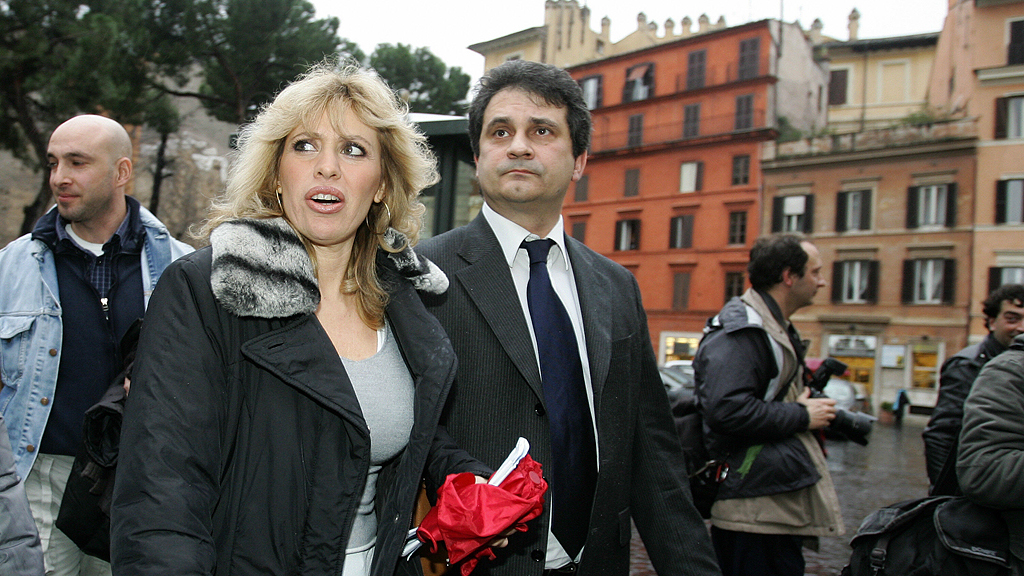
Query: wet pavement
889	469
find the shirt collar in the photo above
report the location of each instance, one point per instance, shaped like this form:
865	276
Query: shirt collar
511	235
127	234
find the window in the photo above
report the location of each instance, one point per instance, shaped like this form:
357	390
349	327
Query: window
793	213
740	170
1010	117
744	112
636	130
582	189
855	281
928	281
737	227
1015	51
627	234
695	69
1000	276
639	83
933	205
1010	202
837	87
749	58
681	291
592	93
632	182
733	284
681	232
853	210
691	175
579	231
691	121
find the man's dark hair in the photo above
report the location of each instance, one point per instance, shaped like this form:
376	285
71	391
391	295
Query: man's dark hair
552	84
1013	293
771	255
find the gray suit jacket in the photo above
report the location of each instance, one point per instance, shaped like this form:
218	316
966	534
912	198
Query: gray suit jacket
497	397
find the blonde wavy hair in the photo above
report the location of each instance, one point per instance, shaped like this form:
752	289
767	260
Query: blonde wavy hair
407	167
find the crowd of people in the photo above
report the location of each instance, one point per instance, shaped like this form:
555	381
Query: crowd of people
304	377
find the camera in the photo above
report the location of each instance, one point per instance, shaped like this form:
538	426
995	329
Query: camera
852	425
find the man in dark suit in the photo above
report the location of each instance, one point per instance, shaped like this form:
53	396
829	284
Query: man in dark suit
577	379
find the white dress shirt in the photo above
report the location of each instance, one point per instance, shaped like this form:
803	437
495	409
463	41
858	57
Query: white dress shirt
511	236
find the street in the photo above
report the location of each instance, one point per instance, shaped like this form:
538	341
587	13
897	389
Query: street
889	469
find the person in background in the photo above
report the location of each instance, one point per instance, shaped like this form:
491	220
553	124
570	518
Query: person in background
990	459
20	554
760	418
553	346
1004	318
288	382
68	292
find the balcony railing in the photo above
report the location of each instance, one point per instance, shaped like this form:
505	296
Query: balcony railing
607	141
718	74
882	138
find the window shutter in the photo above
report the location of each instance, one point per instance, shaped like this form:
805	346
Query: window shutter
908	282
687	231
1000	202
912	207
948	281
809	214
871	294
1002	111
700	176
995	278
865	210
600	91
951	205
777	213
841	211
837	282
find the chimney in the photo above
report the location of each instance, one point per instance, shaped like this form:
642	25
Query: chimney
815	33
854	24
685	26
703	23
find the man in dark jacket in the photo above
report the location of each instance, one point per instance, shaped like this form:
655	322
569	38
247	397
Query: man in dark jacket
1004	318
990	461
760	417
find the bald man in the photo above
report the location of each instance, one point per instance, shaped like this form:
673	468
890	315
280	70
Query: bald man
68	292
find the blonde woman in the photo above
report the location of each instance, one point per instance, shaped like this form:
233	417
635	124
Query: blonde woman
288	384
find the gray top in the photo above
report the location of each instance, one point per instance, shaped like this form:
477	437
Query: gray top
384	388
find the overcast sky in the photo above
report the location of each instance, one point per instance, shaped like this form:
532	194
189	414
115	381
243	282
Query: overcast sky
447	27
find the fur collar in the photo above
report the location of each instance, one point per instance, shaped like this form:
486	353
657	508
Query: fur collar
261	268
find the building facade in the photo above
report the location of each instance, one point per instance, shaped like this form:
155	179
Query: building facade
672	185
979	73
892	212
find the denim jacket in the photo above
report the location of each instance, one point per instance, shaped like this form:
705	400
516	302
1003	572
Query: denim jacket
31	329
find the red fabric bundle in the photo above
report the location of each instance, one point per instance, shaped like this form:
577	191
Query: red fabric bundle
469	515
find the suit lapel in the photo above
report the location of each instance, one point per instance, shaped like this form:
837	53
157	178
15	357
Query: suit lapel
489	284
595	293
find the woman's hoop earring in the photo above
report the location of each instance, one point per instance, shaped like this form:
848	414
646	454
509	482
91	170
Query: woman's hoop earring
386	225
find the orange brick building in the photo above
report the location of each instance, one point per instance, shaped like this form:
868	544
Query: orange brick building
673	183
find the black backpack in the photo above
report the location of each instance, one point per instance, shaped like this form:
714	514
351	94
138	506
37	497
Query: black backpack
934	536
703	473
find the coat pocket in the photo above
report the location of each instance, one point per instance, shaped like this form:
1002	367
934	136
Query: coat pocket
15	335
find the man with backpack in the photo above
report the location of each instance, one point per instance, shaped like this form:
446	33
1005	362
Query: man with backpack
760	418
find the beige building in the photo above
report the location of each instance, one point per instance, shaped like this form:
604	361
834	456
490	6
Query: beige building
875	82
979	74
892	211
567	39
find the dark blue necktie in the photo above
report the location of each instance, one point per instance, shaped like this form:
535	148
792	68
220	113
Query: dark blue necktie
574	466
